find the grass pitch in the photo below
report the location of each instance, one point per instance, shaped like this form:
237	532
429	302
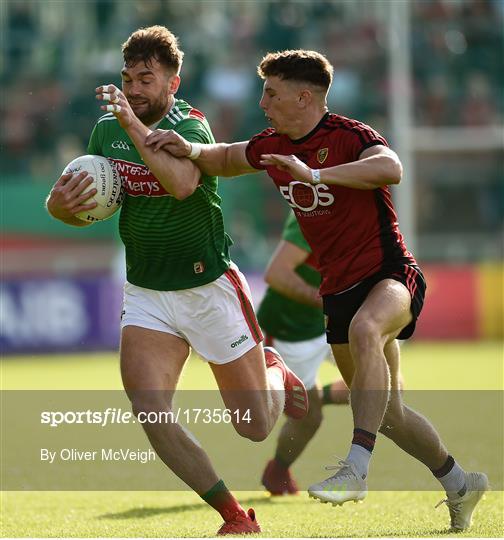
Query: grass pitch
183	514
467	366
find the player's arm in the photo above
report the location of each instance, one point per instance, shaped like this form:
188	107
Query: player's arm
282	277
224	159
377	166
213	159
67	198
180	177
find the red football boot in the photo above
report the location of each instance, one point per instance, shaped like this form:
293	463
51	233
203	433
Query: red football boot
278	480
240	524
296	397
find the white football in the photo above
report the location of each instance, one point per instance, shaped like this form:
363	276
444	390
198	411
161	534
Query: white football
107	182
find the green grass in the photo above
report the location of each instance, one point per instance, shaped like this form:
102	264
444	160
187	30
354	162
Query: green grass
426	366
449	366
182	514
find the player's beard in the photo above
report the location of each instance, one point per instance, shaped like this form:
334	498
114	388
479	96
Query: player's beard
149	111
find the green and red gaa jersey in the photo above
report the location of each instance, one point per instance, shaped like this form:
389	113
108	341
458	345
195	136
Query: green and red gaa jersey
170	244
286	319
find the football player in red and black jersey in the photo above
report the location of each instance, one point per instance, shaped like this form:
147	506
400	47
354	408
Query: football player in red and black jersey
335	173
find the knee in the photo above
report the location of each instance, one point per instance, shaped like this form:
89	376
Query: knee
363	330
363	334
143	407
256	430
148	410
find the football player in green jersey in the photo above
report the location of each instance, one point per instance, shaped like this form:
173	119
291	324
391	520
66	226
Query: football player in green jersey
291	317
178	265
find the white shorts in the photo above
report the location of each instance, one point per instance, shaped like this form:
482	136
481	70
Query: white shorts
217	319
304	357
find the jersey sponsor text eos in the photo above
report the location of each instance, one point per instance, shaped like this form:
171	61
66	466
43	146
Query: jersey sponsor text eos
306	197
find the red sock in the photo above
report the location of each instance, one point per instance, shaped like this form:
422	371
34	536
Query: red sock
220	498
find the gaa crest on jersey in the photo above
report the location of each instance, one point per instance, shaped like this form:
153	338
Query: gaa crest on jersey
322	155
199	267
120	145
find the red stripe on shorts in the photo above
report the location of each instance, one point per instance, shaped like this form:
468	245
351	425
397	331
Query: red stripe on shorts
246	305
408	277
412	274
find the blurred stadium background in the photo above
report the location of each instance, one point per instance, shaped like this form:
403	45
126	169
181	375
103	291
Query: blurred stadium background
428	74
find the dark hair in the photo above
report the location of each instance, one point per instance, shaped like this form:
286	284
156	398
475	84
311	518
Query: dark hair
303	66
153	42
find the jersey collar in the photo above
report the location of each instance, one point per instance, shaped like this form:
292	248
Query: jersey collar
312	132
156	124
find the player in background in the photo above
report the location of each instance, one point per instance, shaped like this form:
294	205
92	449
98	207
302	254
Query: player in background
178	265
291	317
335	172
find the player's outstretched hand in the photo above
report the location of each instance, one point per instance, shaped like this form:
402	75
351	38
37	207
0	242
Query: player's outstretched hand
115	102
67	196
168	140
291	164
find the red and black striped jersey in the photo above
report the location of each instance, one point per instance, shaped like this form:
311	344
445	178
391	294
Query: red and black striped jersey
353	232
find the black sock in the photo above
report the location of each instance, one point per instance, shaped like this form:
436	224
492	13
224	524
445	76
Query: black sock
364	438
220	498
281	462
326	394
445	469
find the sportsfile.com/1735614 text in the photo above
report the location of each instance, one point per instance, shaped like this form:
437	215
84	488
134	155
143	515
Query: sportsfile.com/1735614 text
113	415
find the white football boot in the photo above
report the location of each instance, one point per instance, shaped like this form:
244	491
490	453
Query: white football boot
345	485
462	507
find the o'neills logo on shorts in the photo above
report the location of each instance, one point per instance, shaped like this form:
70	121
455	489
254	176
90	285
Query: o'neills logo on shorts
239	341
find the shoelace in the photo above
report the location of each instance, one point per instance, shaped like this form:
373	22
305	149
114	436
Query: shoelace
340	468
452	506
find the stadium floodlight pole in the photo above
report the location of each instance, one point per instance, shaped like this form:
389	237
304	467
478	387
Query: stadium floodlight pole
400	109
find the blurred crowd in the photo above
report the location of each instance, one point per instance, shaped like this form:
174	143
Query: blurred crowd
54	53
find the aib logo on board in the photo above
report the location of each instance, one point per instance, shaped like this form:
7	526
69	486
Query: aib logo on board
306	197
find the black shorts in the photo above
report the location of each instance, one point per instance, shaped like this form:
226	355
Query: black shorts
341	308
